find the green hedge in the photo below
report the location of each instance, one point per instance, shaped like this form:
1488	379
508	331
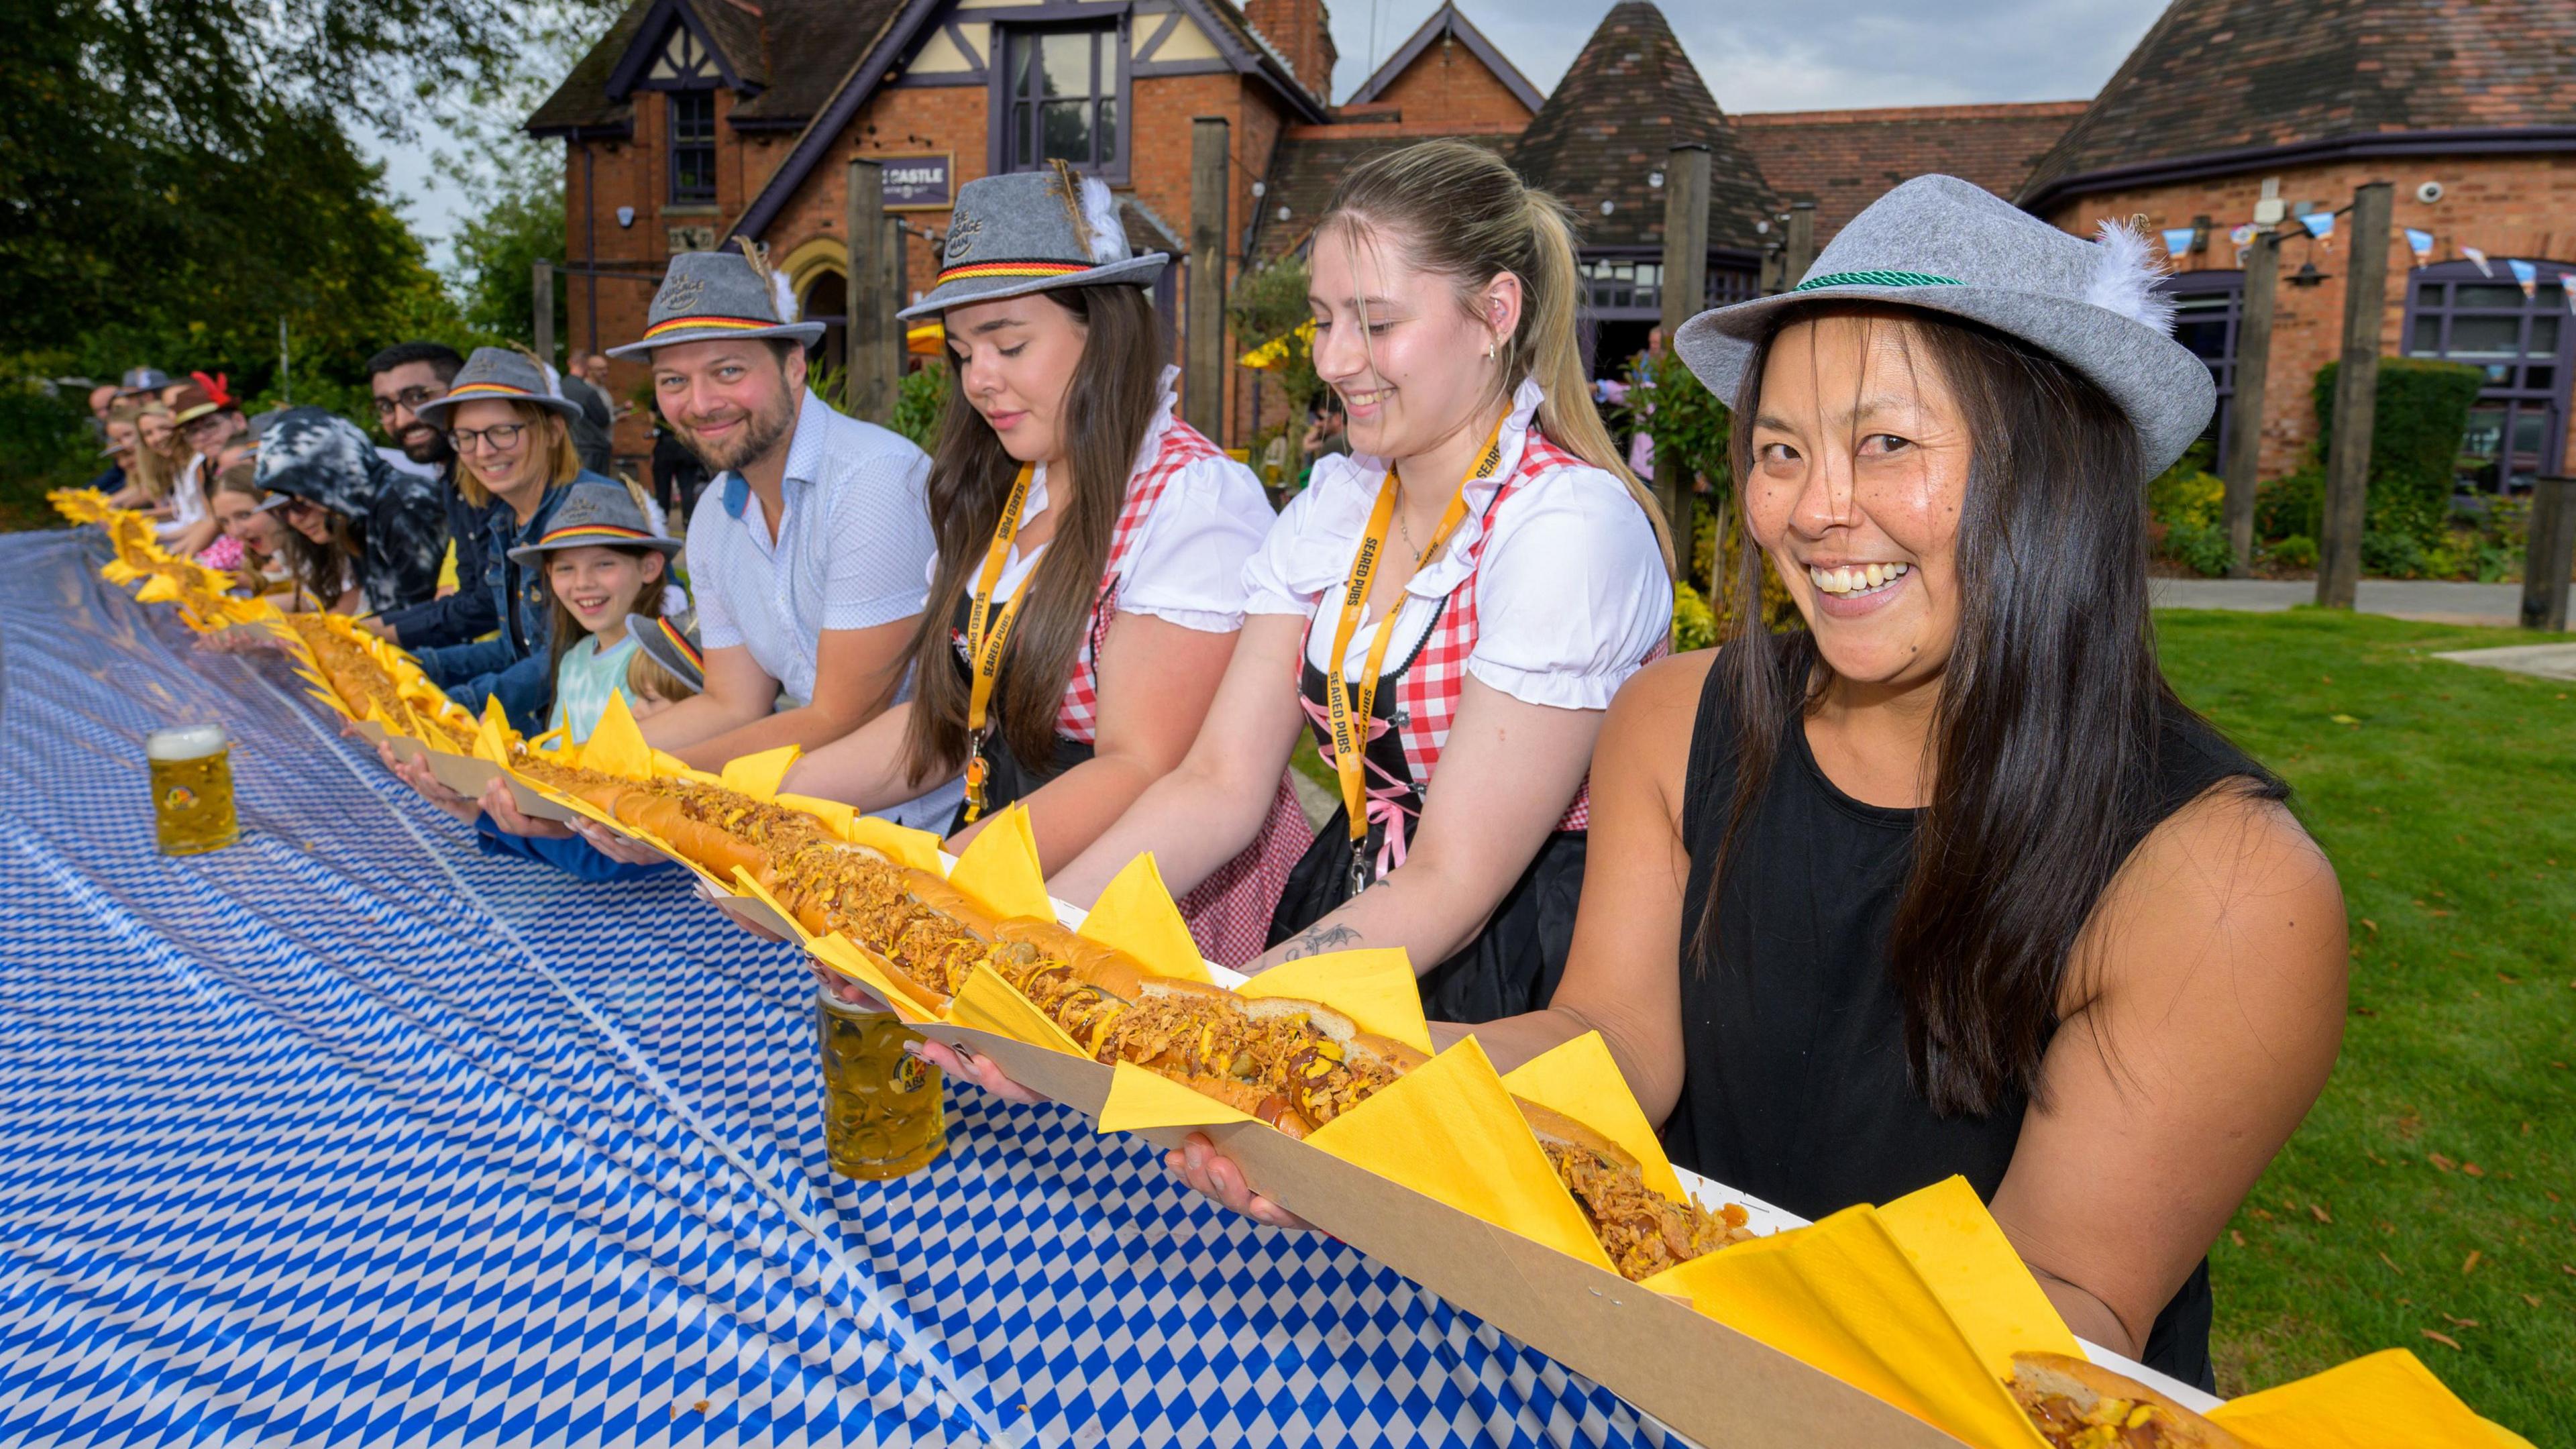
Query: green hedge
44	443
2423	412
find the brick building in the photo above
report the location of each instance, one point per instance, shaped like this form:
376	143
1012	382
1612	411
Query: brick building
696	119
2258	112
2236	113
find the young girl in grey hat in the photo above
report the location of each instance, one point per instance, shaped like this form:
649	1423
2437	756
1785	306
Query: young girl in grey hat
1948	881
1088	587
515	463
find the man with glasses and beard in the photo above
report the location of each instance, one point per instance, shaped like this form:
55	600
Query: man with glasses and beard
405	378
809	554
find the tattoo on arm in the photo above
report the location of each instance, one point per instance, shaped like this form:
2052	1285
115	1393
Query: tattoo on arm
1316	940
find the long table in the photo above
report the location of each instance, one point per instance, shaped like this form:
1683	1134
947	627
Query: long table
351	1134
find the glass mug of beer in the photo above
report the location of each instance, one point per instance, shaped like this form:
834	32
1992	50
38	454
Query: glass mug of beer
192	789
882	1110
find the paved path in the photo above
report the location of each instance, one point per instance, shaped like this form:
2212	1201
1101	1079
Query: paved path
2435	601
2549	661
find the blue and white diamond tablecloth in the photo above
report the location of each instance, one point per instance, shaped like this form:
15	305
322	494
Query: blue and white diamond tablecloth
351	1135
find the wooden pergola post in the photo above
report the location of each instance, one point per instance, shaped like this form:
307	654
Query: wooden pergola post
1685	288
2356	404
1800	250
541	296
1203	345
865	387
2245	409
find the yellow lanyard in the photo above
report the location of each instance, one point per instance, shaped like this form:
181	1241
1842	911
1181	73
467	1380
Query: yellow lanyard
983	649
1347	708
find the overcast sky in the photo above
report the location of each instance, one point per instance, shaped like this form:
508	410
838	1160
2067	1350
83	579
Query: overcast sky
1756	55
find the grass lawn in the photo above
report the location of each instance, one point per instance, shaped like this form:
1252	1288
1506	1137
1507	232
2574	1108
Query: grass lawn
2430	1201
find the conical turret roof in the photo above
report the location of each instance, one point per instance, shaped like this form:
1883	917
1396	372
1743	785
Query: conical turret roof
1627	100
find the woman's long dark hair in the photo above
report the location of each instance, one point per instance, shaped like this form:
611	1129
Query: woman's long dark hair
1108	405
319	568
2044	746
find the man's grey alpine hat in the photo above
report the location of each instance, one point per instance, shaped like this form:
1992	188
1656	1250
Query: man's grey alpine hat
499	374
595	514
1033	231
671	643
711	295
1943	245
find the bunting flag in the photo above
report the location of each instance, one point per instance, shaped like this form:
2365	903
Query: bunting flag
2526	276
2320	224
2420	242
2177	241
2479	257
2242	233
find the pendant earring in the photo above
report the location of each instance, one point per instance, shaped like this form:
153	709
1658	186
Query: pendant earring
1489	351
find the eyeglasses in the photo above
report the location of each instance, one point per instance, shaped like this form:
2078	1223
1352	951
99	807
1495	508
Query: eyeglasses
409	400
500	438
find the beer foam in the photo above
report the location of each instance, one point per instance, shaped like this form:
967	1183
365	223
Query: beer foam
188	742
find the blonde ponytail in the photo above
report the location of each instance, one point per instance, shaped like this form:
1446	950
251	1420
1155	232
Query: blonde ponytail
1553	344
1458	210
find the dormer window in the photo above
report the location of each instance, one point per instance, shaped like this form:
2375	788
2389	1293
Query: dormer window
693	147
684	63
1060	97
686	73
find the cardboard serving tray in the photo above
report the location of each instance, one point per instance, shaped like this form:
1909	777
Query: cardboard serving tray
1714	1385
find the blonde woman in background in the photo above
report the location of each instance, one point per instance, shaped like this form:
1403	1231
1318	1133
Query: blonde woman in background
1510	575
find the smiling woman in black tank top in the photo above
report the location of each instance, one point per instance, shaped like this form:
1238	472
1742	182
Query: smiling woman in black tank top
1948	882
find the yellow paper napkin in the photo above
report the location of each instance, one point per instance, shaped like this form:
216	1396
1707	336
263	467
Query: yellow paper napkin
872	971
1448	1129
1580	1079
2386	1400
744	885
986	1002
758	775
1138	1099
835	814
1374	987
616	744
898	843
1843	1296
999	869
1136	914
1962	1253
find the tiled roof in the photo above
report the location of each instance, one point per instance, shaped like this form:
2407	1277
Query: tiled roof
797	51
1627	100
1448	22
1844	160
735	30
2215	76
813	46
1310	161
582	100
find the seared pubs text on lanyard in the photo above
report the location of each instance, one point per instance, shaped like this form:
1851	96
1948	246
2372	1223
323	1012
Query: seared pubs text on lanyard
987	636
1347	707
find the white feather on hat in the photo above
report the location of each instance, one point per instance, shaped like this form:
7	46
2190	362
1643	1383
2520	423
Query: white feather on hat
2125	276
1108	239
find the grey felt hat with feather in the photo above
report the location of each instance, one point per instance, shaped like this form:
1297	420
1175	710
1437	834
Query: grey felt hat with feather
1033	231
500	374
1943	245
671	643
728	293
